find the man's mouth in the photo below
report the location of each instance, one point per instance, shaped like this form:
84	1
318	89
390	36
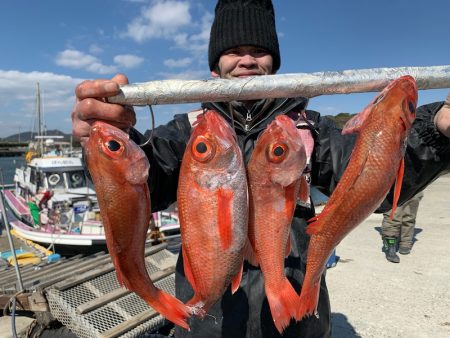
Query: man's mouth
247	74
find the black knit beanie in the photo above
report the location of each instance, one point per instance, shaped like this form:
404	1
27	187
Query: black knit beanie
243	22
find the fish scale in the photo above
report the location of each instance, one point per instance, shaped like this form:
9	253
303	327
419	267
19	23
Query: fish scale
274	173
213	208
119	169
376	162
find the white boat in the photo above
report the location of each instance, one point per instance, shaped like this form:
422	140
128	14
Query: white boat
53	204
52	201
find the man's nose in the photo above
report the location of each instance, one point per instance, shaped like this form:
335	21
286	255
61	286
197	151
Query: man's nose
247	59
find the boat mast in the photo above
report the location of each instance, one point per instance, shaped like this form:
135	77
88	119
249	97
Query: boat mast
38	107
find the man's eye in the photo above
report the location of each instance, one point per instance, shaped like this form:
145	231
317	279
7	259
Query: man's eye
232	52
259	52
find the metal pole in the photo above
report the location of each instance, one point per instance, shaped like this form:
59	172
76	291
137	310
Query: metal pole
274	86
8	233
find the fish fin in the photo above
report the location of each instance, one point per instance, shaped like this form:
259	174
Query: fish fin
309	298
354	124
314	227
312	219
288	245
172	309
237	280
224	216
188	271
283	303
250	254
398	186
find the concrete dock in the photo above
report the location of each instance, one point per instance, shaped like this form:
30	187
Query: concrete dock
371	297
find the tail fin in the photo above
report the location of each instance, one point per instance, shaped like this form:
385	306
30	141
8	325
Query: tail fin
171	308
309	298
283	302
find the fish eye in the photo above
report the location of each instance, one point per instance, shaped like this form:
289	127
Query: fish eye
277	152
203	149
113	145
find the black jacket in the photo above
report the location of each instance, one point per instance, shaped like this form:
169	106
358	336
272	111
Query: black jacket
246	313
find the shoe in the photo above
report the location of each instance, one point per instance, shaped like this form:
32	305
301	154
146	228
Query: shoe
404	251
390	249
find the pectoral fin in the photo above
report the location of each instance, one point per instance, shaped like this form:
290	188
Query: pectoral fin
354	124
237	280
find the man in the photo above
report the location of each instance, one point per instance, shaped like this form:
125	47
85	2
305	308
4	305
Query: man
243	42
398	233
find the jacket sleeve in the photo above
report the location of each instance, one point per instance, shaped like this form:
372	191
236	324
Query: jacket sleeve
427	155
164	151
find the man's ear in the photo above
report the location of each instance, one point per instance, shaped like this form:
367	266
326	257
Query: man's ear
214	74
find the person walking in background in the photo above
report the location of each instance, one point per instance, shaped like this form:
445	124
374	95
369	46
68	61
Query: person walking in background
399	232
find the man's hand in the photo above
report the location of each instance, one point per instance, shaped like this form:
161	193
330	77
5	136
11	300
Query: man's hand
92	105
442	118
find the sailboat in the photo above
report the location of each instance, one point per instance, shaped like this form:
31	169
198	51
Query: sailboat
52	201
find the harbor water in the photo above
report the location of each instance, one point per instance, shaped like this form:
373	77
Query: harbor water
8	166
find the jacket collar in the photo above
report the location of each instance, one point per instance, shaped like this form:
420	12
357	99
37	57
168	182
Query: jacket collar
258	115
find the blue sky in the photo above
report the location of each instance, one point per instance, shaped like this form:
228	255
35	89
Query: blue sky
61	43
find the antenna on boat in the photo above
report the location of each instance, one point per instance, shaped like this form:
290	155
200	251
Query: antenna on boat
8	233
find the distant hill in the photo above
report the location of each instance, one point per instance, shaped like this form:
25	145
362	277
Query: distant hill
28	136
341	118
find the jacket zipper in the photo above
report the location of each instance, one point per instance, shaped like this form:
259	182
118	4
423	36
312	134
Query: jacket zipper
248	119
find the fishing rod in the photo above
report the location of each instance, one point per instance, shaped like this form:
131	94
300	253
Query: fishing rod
276	86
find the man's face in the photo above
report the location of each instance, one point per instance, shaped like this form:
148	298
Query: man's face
242	62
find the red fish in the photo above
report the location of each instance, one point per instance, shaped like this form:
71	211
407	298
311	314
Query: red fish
213	209
274	174
119	169
376	162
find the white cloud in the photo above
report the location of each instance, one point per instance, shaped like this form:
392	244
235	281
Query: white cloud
18	98
196	44
95	49
184	62
128	60
161	19
76	59
79	60
171	20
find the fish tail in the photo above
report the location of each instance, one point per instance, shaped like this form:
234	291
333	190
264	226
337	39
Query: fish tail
171	308
283	302
309	298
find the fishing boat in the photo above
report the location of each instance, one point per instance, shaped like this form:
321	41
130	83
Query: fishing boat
52	202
